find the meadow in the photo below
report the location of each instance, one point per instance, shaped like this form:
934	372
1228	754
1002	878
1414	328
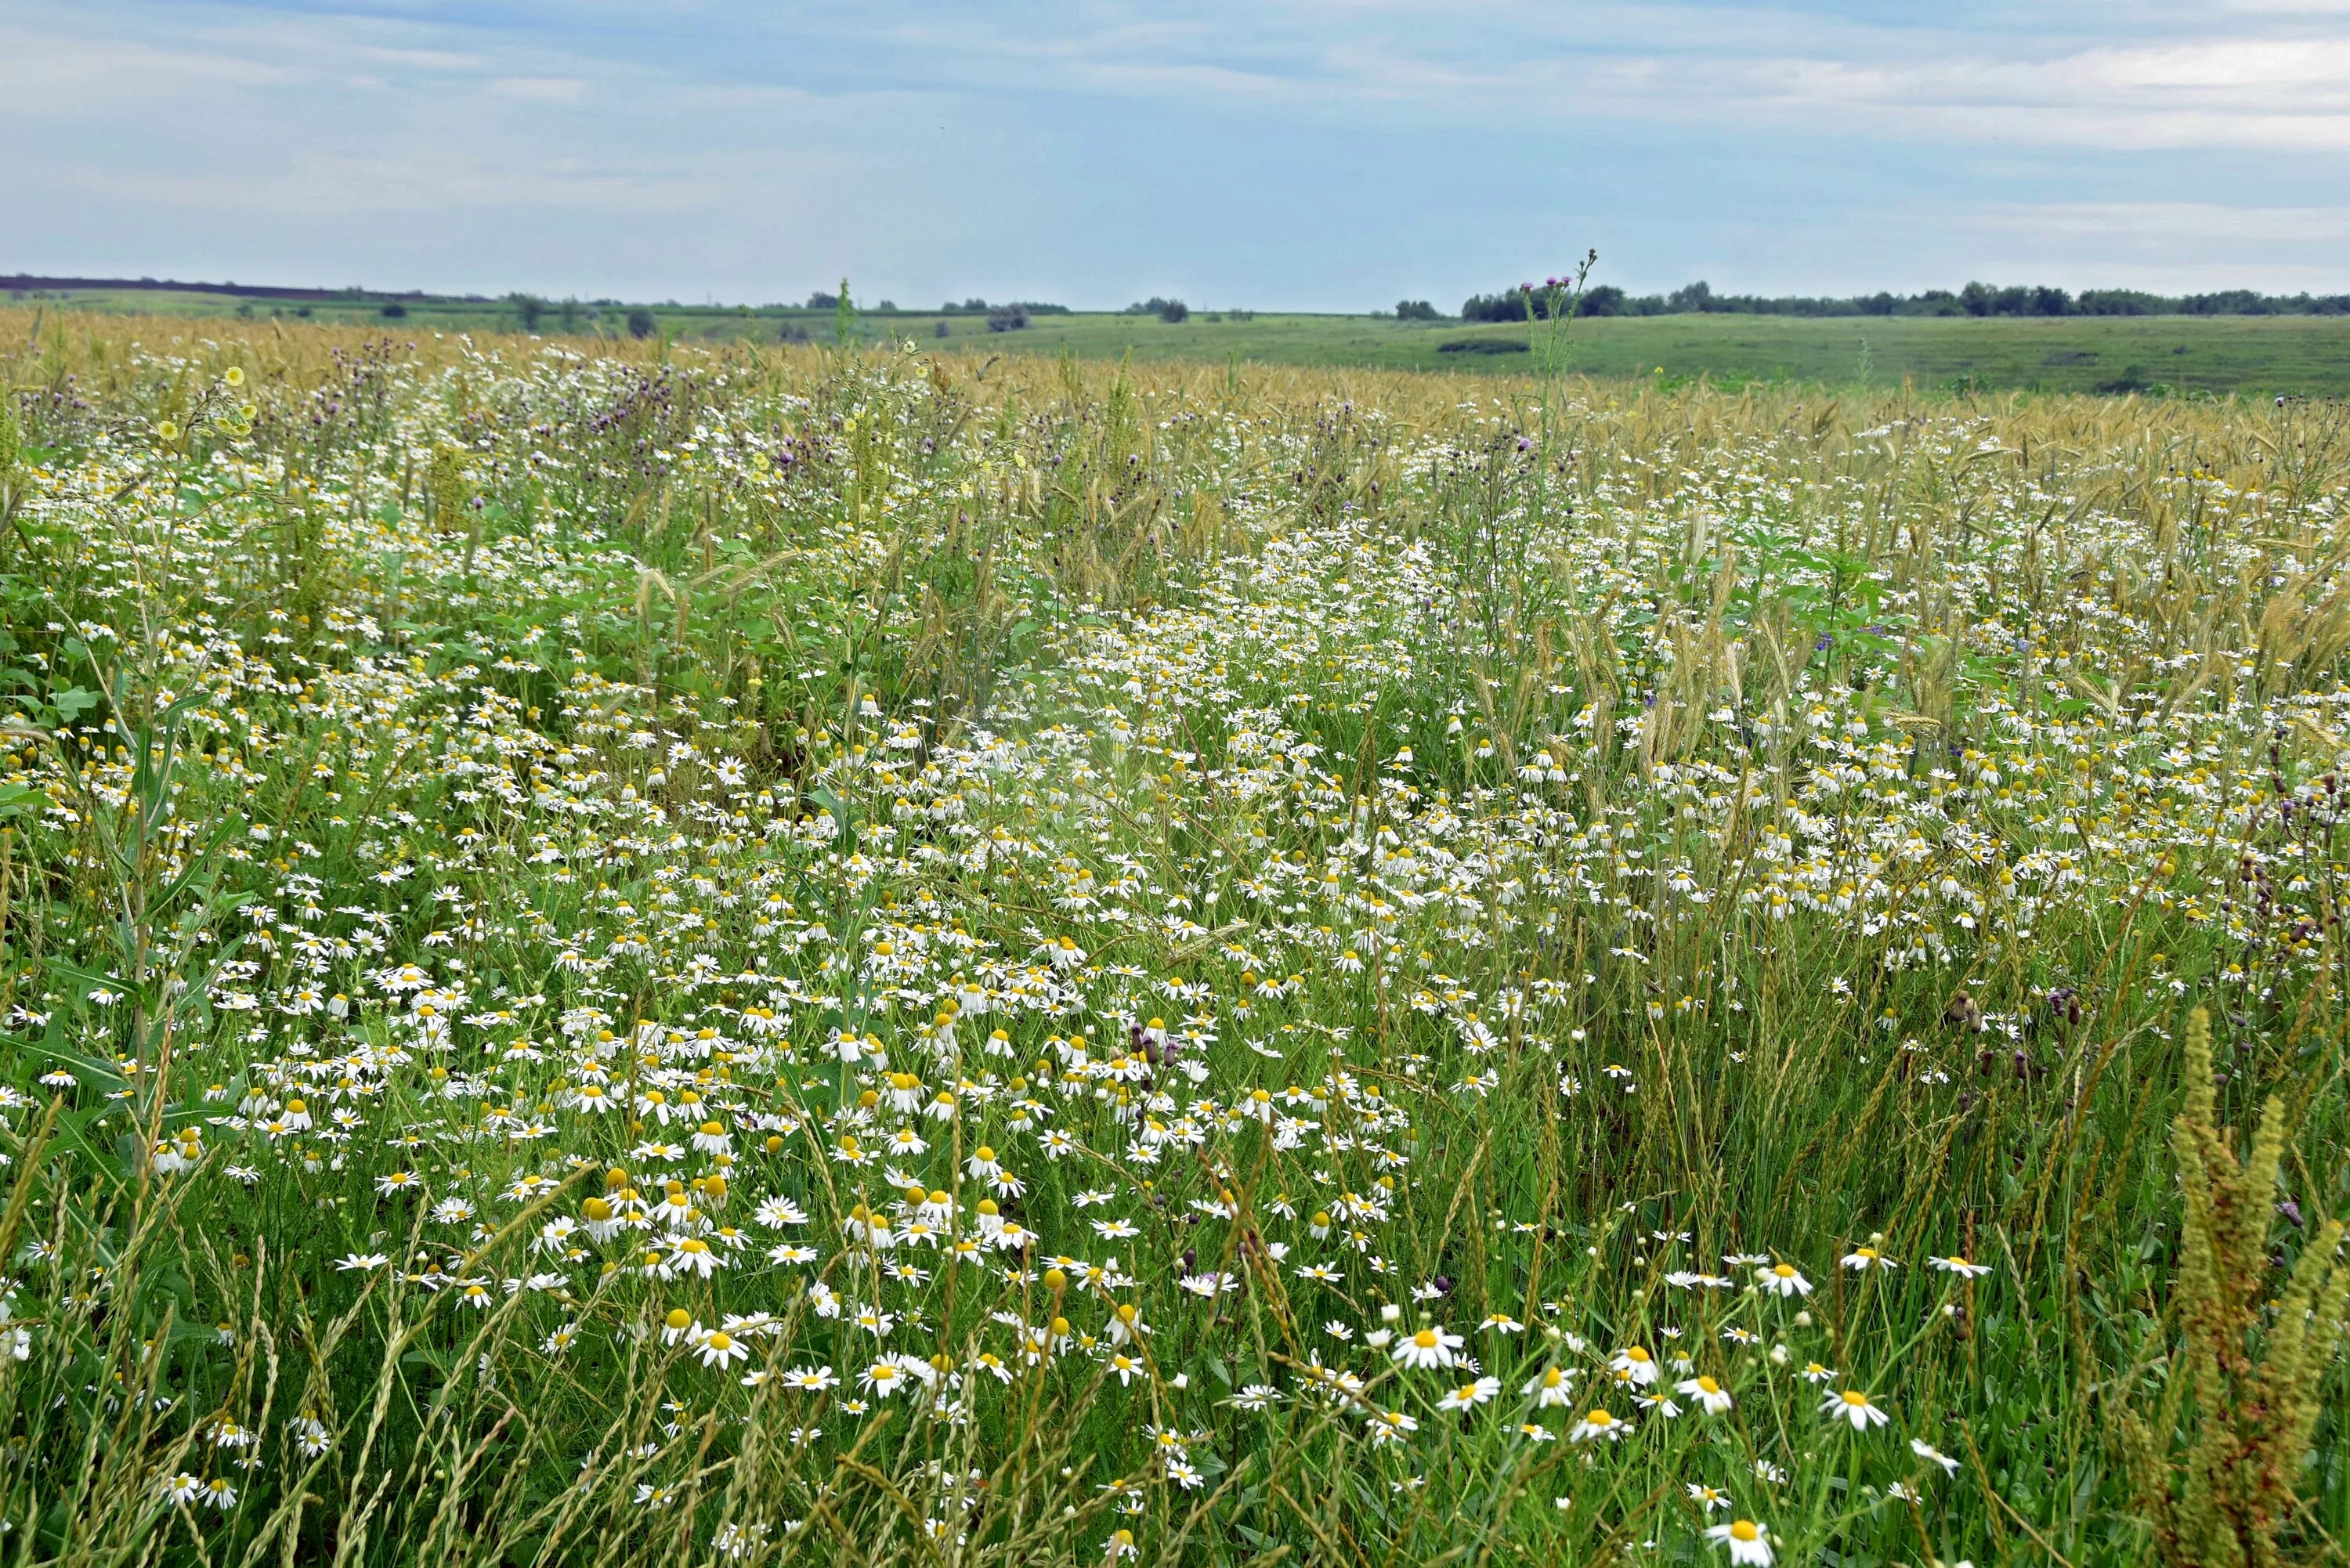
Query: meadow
2290	356
674	952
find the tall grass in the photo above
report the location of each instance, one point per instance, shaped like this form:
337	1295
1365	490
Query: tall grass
1304	864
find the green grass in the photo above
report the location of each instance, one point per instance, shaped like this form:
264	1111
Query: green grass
1571	869
2294	356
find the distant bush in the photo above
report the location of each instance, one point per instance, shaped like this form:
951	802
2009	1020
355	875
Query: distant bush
1415	310
1165	309
394	311
640	322
1008	318
1527	303
941	330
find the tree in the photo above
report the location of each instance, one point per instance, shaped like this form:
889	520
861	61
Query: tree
1415	310
1174	310
1007	318
529	308
941	329
640	322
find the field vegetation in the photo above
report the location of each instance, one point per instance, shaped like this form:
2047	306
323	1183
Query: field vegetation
739	953
2267	355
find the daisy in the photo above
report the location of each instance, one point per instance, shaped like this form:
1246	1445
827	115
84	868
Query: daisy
1854	1406
1711	1396
1635	1365
1596	1426
1933	1455
1748	1546
1960	1267
1861	1258
1782	1280
1471	1395
720	1349
1551	1387
1431	1347
882	1378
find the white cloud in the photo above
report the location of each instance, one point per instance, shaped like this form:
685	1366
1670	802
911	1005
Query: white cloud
541	89
423	59
44	73
1267	149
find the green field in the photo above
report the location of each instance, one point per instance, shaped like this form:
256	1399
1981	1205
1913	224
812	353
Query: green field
691	956
2307	355
2298	356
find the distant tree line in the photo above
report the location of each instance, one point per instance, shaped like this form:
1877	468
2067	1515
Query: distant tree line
1976	299
1165	309
977	307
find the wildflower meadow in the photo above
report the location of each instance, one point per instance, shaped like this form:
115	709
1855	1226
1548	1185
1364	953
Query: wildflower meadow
617	953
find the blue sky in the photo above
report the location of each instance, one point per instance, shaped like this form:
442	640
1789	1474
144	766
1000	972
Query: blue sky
1319	154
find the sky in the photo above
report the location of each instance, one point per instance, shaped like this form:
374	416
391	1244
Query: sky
1278	154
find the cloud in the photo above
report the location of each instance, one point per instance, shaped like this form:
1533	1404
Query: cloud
1263	152
43	73
541	89
2171	224
423	59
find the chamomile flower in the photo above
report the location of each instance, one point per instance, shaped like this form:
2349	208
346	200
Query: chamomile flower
1749	1546
1855	1406
1597	1426
1469	1396
1427	1348
1710	1397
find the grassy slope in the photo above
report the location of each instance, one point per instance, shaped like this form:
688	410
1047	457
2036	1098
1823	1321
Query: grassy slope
2296	355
